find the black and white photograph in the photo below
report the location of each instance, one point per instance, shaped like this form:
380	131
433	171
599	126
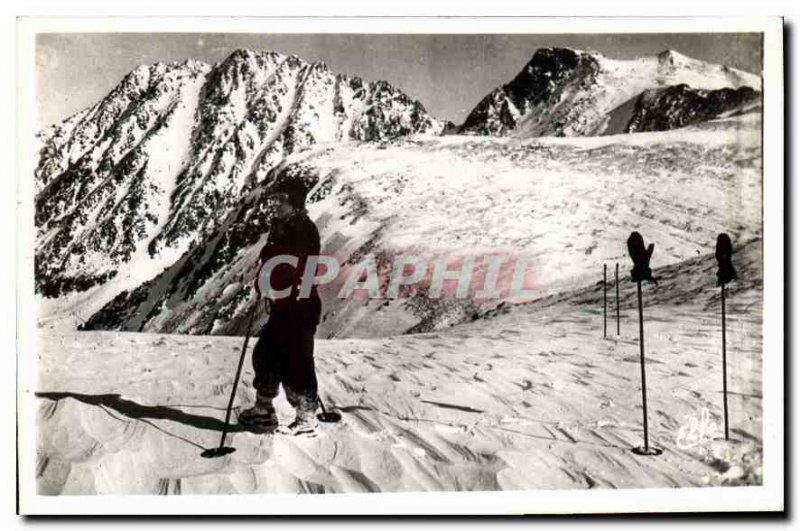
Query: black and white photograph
279	261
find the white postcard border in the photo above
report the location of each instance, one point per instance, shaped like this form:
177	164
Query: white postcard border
766	497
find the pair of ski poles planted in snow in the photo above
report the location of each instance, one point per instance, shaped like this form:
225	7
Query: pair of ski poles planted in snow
222	450
641	271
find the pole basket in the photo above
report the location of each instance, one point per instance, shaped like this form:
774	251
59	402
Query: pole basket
329	416
642	450
217	452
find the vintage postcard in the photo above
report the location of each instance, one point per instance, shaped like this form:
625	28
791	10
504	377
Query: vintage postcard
407	266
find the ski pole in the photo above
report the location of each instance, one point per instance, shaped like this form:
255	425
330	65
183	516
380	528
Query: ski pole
724	366
641	359
604	301
646	450
641	271
222	449
616	285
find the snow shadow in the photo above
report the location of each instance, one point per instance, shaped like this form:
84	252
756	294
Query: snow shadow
137	411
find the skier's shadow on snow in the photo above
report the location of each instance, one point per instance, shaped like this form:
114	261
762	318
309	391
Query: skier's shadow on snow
133	410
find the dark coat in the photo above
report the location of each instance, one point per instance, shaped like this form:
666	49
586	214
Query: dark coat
284	352
294	236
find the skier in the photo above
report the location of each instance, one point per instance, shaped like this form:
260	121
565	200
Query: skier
284	352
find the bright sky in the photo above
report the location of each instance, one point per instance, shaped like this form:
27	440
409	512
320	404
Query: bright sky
449	74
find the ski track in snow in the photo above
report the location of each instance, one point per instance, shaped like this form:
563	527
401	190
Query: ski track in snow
529	398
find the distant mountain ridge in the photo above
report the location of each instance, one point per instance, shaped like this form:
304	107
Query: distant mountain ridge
566	92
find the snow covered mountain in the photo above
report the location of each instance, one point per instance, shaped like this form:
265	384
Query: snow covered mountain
150	208
566	205
565	92
150	214
129	185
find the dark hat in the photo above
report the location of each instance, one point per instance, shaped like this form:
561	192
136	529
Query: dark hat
294	189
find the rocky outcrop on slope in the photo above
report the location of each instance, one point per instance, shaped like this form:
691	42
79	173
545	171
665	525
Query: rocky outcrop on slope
681	105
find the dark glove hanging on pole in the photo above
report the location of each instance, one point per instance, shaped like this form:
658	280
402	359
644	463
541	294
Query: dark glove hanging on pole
641	271
725	274
724	252
641	258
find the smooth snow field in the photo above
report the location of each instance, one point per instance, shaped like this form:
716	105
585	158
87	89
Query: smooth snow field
526	396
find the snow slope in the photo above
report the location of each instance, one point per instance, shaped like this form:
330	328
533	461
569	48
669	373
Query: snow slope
525	397
565	204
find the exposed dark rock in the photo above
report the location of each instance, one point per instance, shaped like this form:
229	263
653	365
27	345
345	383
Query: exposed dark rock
549	71
681	105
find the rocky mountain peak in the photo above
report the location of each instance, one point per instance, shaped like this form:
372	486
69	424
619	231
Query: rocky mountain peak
540	82
672	57
568	92
128	186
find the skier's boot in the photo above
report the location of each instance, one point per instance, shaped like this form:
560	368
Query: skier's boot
260	418
305	421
